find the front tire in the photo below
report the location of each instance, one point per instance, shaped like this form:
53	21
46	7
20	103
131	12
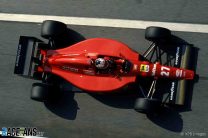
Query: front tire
146	105
157	34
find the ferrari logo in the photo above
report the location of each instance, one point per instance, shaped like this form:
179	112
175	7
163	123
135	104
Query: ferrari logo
144	68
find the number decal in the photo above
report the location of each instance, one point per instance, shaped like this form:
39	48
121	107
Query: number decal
165	71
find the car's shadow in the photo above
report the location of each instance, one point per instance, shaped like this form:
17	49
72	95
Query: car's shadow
65	107
168	118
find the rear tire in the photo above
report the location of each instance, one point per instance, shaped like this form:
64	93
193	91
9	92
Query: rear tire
52	29
39	91
146	105
157	34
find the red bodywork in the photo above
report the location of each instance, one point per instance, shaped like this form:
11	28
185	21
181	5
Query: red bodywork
75	64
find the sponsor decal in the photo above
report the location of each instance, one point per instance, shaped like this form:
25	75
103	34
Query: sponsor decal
89	72
177	56
172	90
70	68
21	131
18	54
144	68
154	69
179	73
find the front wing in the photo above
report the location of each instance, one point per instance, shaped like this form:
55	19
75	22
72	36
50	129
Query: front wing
179	90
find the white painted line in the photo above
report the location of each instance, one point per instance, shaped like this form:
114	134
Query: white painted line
103	22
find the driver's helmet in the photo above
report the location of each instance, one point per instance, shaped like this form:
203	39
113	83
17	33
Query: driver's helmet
101	63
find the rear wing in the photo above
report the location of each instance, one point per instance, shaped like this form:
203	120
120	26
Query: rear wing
26	50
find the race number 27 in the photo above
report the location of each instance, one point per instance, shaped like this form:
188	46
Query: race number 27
165	71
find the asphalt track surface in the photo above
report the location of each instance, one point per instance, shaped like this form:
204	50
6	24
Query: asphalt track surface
82	115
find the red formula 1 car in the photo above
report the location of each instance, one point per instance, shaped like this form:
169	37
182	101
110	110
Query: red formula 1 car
96	65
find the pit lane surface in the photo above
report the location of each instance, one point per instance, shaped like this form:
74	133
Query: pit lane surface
84	115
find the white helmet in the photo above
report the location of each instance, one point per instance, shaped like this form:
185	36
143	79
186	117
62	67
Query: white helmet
100	63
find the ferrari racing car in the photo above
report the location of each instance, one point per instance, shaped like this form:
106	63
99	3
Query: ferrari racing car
100	65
